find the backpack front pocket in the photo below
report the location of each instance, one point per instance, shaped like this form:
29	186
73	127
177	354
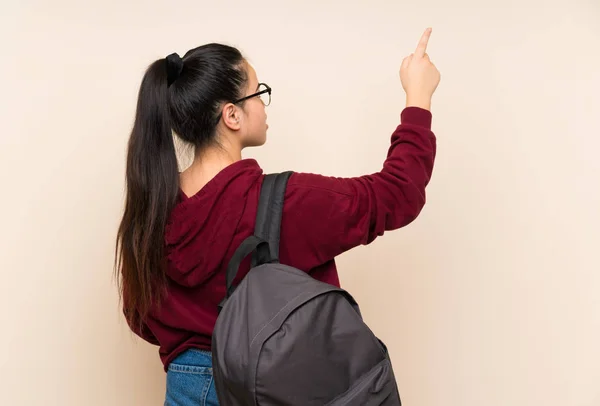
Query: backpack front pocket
376	388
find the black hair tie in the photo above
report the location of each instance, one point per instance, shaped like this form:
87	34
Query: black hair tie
174	67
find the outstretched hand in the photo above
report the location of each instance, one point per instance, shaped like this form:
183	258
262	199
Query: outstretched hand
419	76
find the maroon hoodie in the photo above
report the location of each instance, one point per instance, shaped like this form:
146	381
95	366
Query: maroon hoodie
322	218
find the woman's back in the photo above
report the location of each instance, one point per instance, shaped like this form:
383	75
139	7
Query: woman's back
323	217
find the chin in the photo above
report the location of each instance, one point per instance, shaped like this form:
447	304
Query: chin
262	139
256	142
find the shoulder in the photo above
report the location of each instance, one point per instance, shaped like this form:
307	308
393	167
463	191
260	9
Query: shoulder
303	183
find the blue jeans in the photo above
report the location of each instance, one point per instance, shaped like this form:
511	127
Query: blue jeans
190	380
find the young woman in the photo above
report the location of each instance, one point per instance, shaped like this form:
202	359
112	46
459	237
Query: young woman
180	229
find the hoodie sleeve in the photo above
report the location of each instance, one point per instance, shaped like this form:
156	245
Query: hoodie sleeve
327	216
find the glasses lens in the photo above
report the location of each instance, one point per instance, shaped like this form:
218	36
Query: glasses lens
265	97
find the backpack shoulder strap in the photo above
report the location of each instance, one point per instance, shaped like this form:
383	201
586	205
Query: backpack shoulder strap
264	244
268	217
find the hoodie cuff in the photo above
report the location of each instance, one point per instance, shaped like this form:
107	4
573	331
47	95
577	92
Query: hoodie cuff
416	116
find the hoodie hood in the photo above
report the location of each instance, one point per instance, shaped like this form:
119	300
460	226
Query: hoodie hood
202	227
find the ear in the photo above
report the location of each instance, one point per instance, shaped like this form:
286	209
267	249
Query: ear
232	117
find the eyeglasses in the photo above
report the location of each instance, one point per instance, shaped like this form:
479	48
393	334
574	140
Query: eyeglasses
264	92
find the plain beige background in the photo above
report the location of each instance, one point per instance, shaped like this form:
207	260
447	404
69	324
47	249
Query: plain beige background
492	297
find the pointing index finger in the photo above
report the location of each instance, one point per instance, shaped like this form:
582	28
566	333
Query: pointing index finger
422	46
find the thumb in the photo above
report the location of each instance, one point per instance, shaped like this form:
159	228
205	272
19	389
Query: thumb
404	63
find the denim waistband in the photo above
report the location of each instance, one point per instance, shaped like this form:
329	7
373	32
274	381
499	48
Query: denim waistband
194	357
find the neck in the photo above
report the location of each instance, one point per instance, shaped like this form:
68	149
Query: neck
207	164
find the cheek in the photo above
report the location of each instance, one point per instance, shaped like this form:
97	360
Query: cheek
261	115
257	118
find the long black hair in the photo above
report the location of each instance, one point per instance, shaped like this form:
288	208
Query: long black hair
183	95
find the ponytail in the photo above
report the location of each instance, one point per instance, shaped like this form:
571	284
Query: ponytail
172	98
152	184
